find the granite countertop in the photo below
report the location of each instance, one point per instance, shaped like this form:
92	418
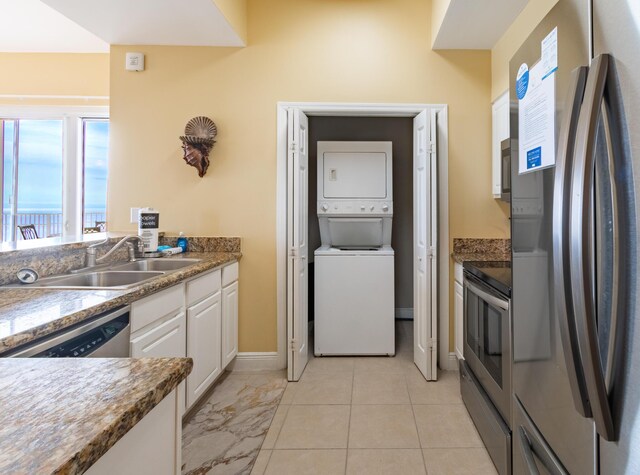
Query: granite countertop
481	249
480	256
27	314
60	415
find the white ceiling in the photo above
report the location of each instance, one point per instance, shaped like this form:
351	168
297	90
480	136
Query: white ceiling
476	24
86	26
30	26
90	26
151	22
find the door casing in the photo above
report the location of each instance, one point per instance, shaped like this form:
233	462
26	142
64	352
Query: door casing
447	360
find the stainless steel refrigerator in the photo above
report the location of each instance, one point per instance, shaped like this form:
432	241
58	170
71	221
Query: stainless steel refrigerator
576	335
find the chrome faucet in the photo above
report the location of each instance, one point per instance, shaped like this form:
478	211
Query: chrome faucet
90	257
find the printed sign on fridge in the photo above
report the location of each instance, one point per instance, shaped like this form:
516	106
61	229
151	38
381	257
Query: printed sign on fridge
536	118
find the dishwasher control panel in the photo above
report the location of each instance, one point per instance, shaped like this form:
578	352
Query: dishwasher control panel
87	343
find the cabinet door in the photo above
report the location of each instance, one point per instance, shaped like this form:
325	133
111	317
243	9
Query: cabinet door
203	345
458	306
229	323
165	339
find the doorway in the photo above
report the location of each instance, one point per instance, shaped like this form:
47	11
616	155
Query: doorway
430	237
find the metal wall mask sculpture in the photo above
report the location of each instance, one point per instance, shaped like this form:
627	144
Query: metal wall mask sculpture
197	141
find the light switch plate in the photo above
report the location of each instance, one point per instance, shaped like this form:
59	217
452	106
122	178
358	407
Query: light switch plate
134	215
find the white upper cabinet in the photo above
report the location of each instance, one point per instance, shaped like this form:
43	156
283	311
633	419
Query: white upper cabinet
499	132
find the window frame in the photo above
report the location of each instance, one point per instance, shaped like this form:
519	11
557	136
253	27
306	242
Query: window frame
72	155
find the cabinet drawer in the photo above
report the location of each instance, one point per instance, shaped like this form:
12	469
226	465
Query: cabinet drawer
229	274
203	286
168	339
156	306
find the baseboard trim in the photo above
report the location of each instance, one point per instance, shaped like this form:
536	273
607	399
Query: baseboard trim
404	313
255	361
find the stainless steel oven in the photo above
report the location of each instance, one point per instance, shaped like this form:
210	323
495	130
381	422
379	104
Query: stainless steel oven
485	372
487	340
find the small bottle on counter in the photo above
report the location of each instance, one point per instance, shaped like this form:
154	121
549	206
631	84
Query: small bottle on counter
182	242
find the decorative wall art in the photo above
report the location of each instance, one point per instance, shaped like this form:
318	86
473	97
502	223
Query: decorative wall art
197	141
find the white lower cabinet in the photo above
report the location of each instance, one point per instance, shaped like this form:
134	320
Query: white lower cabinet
197	319
152	446
229	323
158	325
167	338
203	345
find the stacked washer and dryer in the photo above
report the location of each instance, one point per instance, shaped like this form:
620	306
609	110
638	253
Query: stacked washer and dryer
354	271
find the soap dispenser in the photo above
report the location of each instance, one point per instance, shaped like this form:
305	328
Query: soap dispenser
182	242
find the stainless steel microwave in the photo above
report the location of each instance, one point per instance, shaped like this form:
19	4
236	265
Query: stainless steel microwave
505	170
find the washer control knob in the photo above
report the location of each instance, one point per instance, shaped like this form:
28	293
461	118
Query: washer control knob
385	208
372	207
361	208
324	207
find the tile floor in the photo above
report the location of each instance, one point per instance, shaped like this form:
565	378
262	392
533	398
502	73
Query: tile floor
369	415
359	415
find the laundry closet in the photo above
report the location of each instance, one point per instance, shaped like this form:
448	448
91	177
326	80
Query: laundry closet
361	263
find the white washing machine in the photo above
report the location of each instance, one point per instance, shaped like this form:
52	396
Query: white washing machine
354	276
354	302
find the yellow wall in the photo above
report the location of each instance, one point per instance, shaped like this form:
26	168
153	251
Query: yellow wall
300	50
235	11
438	11
54	74
513	38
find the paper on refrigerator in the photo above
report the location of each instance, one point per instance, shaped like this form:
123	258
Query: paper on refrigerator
536	117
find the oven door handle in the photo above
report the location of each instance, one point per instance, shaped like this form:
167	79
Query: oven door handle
487	297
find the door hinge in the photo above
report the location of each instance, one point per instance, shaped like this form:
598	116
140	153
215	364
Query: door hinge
431	252
293	146
293	252
432	147
432	343
292	345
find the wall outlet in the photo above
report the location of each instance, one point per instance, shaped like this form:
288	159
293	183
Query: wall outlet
134	215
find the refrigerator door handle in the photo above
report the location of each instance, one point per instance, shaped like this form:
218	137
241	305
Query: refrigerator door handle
561	268
532	447
582	267
527	453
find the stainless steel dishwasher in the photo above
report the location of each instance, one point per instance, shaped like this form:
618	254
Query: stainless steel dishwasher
105	336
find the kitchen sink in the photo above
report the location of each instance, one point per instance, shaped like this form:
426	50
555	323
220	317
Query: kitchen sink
117	275
98	280
163	265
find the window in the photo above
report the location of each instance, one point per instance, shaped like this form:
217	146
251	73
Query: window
95	156
54	171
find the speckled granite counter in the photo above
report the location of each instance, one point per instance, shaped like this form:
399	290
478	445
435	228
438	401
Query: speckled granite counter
471	249
27	314
61	415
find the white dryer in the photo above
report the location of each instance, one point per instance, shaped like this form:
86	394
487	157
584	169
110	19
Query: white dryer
354	285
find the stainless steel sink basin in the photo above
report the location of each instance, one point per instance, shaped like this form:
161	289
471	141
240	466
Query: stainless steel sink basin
165	265
120	275
97	280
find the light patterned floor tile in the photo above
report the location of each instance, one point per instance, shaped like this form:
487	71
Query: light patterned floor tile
274	429
446	426
385	461
324	391
261	462
382	426
307	462
315	427
371	387
470	461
